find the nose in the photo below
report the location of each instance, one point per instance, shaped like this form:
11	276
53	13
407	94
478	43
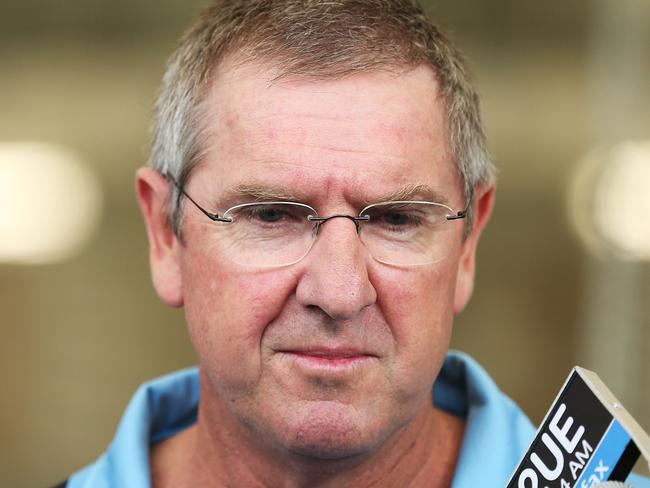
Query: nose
335	277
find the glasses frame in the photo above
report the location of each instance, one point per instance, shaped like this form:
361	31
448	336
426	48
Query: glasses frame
318	221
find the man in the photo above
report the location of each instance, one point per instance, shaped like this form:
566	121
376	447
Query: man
316	191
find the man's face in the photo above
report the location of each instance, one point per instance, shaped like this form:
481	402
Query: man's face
330	356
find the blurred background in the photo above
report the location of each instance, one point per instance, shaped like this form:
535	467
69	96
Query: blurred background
563	275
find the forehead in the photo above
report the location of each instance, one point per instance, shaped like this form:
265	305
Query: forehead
352	138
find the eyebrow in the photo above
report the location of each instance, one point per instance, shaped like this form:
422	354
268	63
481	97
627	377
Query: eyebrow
257	193
261	193
411	192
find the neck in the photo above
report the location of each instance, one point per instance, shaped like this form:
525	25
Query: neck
218	451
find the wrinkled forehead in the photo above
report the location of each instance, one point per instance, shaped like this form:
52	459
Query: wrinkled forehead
381	126
238	87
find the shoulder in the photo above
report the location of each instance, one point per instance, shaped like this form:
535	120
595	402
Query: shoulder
638	481
466	390
159	409
497	432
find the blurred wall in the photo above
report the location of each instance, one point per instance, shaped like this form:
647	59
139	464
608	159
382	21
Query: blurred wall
79	335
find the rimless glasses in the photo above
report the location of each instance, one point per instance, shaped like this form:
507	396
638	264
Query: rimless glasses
280	233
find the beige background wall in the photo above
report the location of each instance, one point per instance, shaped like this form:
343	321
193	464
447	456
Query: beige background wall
557	78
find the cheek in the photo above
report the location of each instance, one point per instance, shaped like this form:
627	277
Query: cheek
417	303
227	310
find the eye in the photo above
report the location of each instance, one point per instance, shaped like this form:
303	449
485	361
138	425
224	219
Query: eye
271	214
405	219
268	214
395	217
398	219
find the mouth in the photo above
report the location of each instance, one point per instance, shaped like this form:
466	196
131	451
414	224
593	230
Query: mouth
328	359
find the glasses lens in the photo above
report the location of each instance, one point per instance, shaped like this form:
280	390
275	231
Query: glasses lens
408	233
272	234
268	234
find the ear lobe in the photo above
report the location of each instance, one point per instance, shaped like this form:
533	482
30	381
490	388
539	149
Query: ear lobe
483	205
152	191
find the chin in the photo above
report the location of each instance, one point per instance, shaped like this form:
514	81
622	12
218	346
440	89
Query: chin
331	431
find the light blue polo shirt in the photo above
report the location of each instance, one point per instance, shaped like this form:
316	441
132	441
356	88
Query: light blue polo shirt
497	433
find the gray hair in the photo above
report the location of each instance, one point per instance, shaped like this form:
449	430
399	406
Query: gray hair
317	39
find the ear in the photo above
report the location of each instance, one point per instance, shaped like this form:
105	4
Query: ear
484	201
152	191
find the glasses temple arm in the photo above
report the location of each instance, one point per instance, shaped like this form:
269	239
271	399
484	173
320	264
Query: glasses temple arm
212	216
461	214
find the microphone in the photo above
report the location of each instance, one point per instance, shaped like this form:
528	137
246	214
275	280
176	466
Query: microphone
586	439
